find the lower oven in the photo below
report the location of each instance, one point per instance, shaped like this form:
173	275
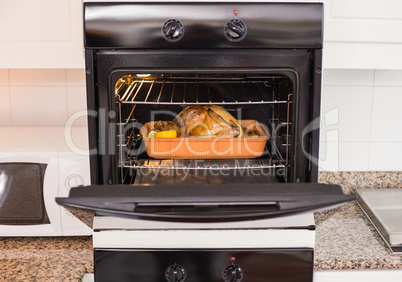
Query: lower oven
207	265
209	203
163	251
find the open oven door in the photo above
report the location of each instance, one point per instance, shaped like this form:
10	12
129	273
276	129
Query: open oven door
202	203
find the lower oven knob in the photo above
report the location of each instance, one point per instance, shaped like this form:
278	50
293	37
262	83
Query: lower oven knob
232	273
175	273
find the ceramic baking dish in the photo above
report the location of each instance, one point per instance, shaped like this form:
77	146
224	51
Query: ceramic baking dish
207	148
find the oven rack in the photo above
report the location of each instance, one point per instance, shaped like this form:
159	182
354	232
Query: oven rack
270	159
210	164
222	91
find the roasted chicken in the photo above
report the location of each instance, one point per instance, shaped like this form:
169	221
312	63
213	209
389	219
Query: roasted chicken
203	121
207	121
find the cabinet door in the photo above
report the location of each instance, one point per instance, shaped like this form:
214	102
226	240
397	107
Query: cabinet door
363	34
41	34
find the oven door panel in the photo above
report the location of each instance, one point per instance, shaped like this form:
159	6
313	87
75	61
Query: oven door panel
204	203
290	265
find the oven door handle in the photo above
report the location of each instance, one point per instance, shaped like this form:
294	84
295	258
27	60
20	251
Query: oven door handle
211	203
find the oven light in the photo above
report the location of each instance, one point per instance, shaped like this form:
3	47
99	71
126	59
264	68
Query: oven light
235	12
143	75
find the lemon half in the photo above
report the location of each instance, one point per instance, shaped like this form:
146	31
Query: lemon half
151	134
166	134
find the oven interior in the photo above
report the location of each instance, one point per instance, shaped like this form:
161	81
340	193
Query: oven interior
142	97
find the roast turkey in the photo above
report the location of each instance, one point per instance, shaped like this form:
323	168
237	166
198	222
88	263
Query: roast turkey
207	121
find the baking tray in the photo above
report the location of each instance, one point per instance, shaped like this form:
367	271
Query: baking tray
207	148
383	207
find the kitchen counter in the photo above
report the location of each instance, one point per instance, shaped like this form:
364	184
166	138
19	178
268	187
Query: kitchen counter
345	239
45	258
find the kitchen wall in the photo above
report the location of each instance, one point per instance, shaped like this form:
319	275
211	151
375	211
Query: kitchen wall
361	125
41	97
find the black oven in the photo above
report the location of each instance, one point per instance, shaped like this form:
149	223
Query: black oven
269	69
148	62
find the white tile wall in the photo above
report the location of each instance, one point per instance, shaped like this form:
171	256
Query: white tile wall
76	103
385	156
38	105
350	156
37	77
388	78
5	109
354	156
75	77
41	97
368	104
354	105
386	116
360	126
339	77
4	77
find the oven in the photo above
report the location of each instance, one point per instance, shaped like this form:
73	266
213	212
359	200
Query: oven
206	207
270	73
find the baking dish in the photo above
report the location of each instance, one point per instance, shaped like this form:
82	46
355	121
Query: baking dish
208	148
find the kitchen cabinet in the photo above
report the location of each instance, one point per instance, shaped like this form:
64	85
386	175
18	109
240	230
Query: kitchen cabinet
41	34
363	34
367	275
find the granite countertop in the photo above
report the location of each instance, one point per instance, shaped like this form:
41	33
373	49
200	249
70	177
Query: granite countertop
345	239
45	258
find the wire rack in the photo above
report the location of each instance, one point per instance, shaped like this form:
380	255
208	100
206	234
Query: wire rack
219	91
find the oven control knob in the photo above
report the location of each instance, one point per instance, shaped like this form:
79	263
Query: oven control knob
232	273
235	30
173	30
73	180
175	273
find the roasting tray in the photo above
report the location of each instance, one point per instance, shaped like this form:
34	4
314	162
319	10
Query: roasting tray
207	148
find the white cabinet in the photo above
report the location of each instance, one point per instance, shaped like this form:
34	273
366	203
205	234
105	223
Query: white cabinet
352	275
41	34
363	34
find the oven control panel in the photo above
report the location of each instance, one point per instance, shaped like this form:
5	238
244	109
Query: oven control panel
235	30
200	25
200	265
